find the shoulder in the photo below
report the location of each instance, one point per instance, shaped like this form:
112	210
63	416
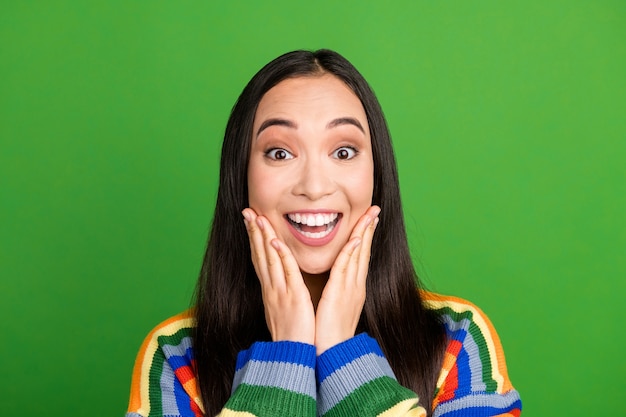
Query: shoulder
458	314
175	332
474	356
165	356
174	327
168	327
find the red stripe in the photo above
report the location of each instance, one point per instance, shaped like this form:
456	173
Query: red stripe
184	374
194	407
451	383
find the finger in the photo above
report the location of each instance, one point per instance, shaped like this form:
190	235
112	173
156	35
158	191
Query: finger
274	264
249	217
342	266
365	252
293	277
257	247
359	260
364	221
367	223
350	251
373	210
363	225
353	265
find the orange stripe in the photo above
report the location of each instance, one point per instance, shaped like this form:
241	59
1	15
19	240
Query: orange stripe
513	413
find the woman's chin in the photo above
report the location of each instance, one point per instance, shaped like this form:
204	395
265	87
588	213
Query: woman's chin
315	262
312	270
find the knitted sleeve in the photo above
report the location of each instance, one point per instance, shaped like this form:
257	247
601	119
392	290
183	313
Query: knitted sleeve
474	381
271	379
354	378
163	382
274	379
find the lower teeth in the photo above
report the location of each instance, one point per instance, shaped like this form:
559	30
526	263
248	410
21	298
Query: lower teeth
318	235
315	235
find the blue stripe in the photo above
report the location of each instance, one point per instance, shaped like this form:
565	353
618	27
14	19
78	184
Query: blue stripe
283	351
179	361
464	381
344	353
182	399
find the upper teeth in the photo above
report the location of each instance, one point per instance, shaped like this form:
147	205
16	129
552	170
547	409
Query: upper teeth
317	219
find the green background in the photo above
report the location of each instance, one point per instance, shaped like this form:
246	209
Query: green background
509	123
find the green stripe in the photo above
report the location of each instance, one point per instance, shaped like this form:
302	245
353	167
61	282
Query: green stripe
371	399
174	339
271	401
485	357
481	342
154	384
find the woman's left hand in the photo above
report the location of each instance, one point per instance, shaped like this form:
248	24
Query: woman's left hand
342	300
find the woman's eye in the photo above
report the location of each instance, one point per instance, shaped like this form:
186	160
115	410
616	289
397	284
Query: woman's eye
345	152
278	154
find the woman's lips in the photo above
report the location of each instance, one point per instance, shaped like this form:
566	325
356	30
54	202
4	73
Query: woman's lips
313	229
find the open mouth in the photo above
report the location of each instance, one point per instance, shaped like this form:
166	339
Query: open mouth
314	225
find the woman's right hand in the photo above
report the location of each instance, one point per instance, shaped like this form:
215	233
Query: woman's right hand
289	311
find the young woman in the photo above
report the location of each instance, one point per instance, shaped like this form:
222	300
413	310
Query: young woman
307	302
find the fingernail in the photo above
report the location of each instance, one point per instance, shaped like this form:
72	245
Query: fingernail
376	211
246	215
259	222
275	244
356	243
376	221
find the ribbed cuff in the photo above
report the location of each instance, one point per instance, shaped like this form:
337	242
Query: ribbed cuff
354	378
286	365
283	351
346	352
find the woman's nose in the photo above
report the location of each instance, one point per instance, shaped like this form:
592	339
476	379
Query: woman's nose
314	180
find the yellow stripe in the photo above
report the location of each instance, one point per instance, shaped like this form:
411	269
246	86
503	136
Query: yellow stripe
230	413
448	362
406	408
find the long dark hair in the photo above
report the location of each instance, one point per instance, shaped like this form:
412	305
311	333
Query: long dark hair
228	305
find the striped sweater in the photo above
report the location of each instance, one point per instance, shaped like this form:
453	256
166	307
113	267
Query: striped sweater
352	378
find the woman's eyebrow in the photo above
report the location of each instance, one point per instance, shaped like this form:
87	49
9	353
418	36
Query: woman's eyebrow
275	122
345	121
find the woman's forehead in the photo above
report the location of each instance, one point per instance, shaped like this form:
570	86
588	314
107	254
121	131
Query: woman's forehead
324	98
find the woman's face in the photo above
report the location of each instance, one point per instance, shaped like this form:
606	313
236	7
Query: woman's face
311	171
